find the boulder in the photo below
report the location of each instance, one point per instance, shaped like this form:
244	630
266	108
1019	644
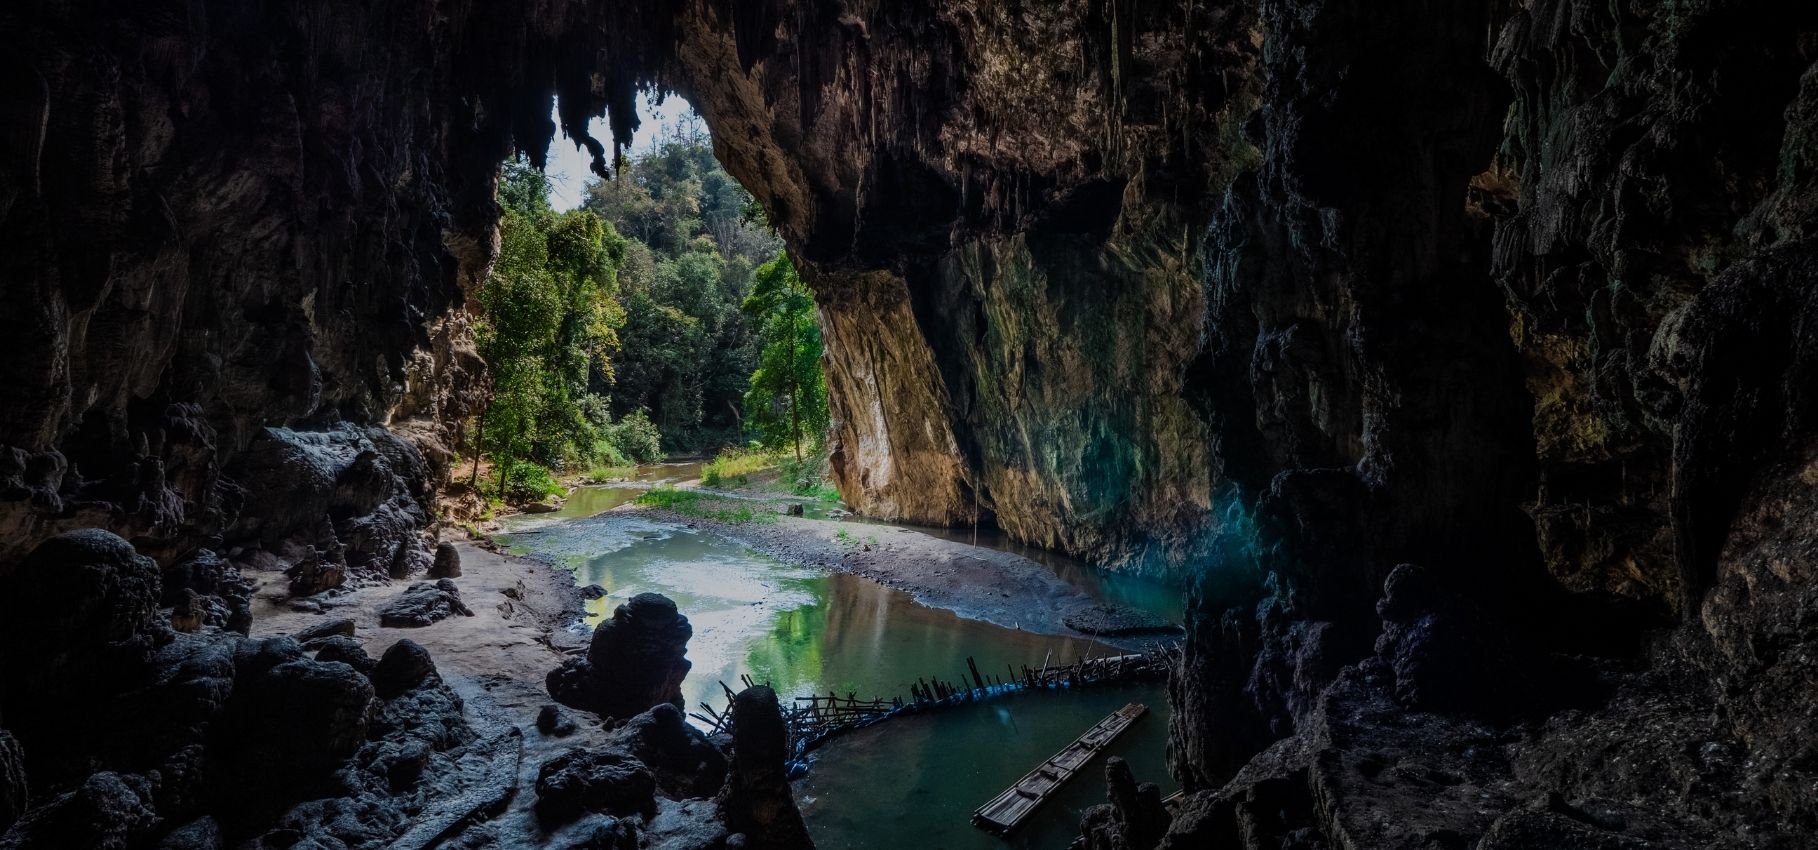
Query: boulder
581	781
79	621
637	659
313	635
423	604
343	649
187	615
315	573
685	763
757	799
203	833
447	563
403	667
290	722
551	720
108	811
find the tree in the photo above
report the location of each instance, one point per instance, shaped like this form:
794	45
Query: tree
788	396
547	323
688	352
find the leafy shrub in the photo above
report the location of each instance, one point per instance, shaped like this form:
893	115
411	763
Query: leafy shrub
530	482
635	439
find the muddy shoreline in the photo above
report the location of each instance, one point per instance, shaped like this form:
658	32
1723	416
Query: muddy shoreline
976	583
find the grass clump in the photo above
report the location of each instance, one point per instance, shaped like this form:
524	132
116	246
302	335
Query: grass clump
697	504
734	467
610	473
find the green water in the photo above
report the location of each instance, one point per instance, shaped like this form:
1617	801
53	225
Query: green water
910	782
913	783
595	499
801	630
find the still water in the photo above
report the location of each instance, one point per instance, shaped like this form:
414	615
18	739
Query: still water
911	782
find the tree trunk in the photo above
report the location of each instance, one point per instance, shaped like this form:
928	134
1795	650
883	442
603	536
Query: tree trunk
479	441
795	391
505	465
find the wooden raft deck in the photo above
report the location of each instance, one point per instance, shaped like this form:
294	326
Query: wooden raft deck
1008	810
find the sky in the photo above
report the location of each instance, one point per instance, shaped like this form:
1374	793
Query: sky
568	166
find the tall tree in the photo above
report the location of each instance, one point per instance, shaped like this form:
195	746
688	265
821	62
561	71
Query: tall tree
787	402
547	322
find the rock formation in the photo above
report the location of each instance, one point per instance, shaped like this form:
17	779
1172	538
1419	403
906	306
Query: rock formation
1458	356
637	659
757	799
424	603
132	735
1134	819
447	562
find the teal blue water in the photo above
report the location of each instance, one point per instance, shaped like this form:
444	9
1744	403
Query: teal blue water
912	784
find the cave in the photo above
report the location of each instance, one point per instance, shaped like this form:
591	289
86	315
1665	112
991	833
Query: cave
1455	366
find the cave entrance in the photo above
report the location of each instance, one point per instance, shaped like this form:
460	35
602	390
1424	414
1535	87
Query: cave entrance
651	316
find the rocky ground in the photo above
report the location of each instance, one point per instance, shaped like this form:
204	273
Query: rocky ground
523	626
408	714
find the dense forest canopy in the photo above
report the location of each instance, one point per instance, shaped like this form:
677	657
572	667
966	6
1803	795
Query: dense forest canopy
661	317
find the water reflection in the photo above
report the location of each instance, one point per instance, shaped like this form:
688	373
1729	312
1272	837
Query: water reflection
802	630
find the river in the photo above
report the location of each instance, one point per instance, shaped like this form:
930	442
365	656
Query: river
908	783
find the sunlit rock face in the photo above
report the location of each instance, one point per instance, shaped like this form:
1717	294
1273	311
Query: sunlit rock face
998	208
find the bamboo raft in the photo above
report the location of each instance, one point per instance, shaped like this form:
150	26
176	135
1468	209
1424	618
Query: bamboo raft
814	719
1008	810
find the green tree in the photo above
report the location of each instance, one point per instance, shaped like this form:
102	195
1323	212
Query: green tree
547	323
687	351
787	401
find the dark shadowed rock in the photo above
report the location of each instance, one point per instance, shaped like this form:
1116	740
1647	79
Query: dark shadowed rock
200	834
345	650
688	825
1447	652
1134	819
290	722
551	720
447	563
327	628
108	811
423	604
686	764
582	781
13	790
78	622
637	659
405	666
757	798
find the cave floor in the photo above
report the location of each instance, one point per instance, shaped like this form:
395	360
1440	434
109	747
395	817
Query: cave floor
494	660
